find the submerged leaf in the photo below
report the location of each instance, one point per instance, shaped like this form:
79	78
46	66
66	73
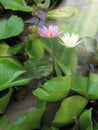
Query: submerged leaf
62	12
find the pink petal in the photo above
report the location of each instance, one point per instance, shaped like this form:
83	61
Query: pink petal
51	27
43	35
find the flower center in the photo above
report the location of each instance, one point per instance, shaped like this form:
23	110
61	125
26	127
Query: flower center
50	33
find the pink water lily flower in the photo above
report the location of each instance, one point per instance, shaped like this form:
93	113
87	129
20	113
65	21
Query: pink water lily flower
49	32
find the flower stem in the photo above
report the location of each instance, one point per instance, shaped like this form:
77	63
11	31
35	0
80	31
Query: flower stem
72	60
55	66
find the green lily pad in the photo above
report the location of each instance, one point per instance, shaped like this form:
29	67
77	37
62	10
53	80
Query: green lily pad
31	120
3	122
11	74
85	120
4	101
11	27
3	49
55	89
93	86
69	110
17	5
38	68
62	12
85	86
34	49
80	84
13	50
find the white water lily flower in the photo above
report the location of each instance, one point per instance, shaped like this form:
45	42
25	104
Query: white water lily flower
70	41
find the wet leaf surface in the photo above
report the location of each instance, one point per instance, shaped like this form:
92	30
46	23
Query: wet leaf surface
9	29
17	5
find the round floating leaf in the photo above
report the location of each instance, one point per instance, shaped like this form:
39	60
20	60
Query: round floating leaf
80	84
62	12
54	90
9	71
3	49
85	120
38	68
69	110
4	101
13	50
88	87
17	5
11	27
93	86
31	120
34	49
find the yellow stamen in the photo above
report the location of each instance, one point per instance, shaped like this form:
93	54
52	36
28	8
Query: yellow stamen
50	33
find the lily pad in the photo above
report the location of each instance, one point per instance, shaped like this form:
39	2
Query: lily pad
34	49
17	5
5	100
69	111
85	120
11	74
3	49
55	89
31	120
11	27
61	12
38	68
86	86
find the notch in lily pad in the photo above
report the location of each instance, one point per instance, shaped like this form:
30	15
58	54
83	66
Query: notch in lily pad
54	90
